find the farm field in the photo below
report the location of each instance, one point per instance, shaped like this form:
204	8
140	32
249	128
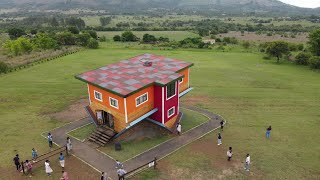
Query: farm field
251	93
172	35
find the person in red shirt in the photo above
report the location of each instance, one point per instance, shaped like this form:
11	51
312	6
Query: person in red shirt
29	168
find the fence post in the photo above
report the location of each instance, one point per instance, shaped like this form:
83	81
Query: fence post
22	167
155	162
67	151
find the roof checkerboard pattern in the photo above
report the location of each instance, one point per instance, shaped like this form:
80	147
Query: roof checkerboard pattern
128	76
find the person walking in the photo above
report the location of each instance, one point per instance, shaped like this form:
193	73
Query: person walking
179	129
64	176
16	161
221	125
247	163
34	154
48	168
50	140
104	176
61	160
121	172
268	132
229	153
219	139
29	168
118	165
69	145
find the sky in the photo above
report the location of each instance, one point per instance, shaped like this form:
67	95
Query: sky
303	3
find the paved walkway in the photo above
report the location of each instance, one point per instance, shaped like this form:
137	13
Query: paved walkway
104	163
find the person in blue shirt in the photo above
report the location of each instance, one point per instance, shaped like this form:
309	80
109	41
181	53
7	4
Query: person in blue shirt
61	160
34	155
50	139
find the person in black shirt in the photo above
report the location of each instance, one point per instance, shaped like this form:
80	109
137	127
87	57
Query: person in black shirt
221	124
16	161
268	132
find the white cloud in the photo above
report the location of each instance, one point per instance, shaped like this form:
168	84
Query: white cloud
303	3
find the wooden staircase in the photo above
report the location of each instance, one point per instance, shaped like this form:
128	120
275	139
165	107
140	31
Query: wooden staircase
102	135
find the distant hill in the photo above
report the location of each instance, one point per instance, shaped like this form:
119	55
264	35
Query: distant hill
196	6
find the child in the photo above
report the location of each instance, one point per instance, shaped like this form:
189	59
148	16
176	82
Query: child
48	168
229	153
50	139
34	155
268	132
118	165
29	168
69	145
64	176
219	139
16	161
61	160
221	124
179	128
247	163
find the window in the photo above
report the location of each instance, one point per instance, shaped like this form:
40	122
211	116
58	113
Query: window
141	99
113	102
98	95
171	112
171	90
181	81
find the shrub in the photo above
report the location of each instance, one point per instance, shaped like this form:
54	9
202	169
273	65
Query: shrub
83	39
246	44
128	36
149	38
3	67
116	38
93	44
303	58
300	47
103	39
314	62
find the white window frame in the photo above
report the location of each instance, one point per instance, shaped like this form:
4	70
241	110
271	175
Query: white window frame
175	91
174	112
181	81
111	98
94	93
137	105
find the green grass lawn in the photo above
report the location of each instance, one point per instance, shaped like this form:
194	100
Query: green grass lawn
130	149
83	132
251	93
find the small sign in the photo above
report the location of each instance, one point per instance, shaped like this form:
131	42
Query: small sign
151	164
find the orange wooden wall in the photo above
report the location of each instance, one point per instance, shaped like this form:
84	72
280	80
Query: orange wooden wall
184	85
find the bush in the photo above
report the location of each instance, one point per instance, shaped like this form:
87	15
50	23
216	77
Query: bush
116	38
128	36
314	62
303	58
246	44
300	47
93	44
73	30
3	67
103	39
83	39
293	47
149	38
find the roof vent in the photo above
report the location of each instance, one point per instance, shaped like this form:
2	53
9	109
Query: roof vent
147	63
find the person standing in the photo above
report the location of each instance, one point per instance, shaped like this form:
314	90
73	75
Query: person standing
121	172
29	168
64	176
118	165
34	154
219	139
48	168
104	176
268	132
247	163
16	161
221	125
61	160
69	145
179	129
229	153
50	140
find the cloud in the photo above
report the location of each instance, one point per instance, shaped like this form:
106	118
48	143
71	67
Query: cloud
303	3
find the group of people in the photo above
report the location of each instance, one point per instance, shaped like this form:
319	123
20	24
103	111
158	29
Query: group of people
230	153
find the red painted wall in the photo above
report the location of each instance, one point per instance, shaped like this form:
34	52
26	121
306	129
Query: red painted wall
170	103
157	104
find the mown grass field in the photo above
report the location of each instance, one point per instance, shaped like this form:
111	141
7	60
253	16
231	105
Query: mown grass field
249	92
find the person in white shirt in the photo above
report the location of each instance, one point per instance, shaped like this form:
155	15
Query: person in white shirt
247	163
179	128
121	172
229	153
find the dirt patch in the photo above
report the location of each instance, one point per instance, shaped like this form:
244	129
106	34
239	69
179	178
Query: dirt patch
75	168
73	112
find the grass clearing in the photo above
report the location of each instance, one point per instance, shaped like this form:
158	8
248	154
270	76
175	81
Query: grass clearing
83	132
130	149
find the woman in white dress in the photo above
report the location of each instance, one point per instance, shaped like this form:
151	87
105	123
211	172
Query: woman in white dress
48	168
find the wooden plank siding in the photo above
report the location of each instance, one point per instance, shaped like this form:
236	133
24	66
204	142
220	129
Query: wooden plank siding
185	84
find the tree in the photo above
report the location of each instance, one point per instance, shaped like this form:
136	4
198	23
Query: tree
78	22
103	39
73	30
66	38
33	31
18	46
128	36
277	49
92	33
105	21
303	58
314	62
149	38
83	39
44	41
246	44
3	67
116	38
14	33
93	44
314	42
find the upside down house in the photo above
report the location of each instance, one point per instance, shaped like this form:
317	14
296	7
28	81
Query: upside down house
143	87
